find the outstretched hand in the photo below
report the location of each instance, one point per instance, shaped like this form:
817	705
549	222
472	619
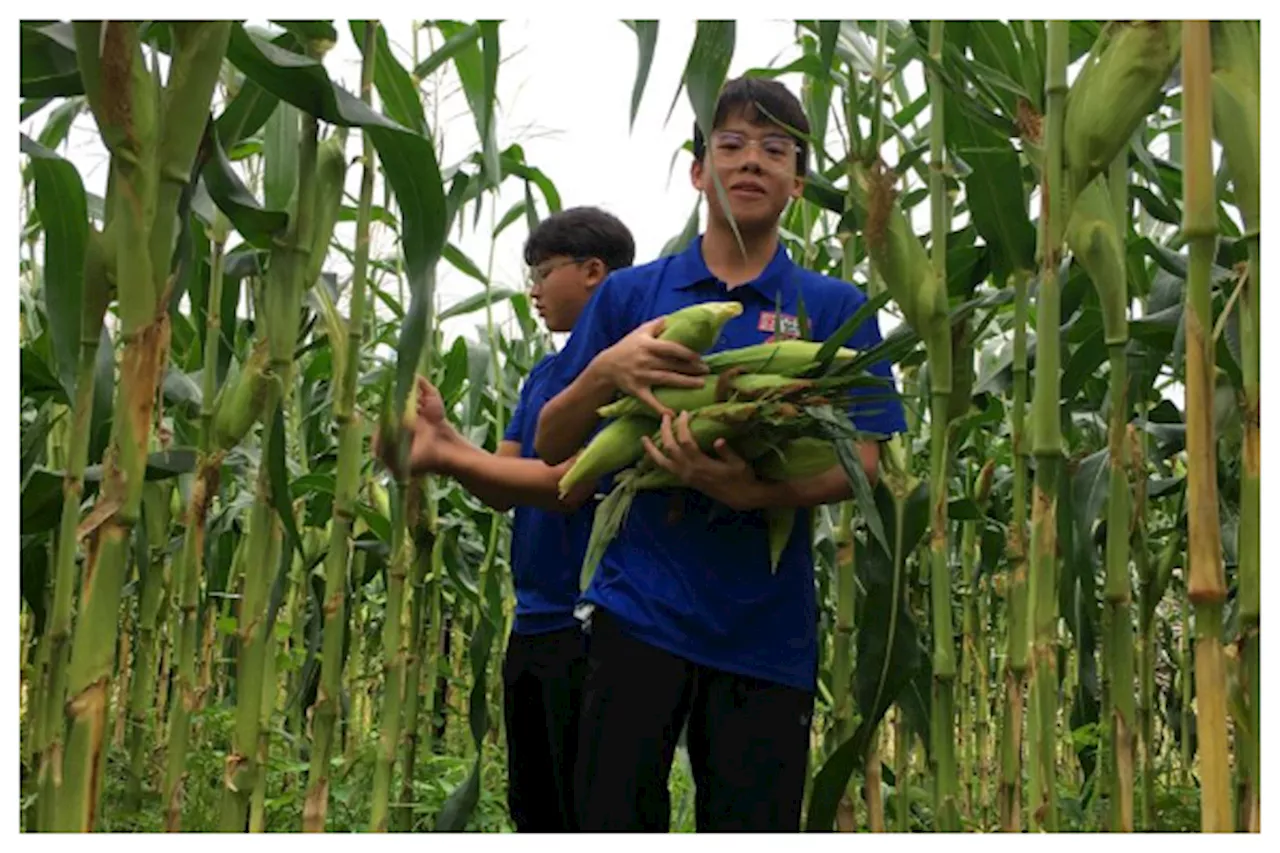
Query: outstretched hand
431	433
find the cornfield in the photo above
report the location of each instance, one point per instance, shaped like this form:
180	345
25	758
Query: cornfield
1045	616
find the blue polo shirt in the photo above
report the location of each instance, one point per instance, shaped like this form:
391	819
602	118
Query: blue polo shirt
691	576
547	547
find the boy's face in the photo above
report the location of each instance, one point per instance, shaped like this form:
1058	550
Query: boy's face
756	165
560	287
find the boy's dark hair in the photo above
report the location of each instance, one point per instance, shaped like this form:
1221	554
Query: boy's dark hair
581	232
761	102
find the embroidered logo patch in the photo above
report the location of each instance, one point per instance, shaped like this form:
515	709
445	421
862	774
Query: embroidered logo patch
779	325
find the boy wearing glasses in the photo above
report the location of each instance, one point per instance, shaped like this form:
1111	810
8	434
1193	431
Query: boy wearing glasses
688	623
569	254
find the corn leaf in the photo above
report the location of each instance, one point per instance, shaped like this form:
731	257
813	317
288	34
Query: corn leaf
997	198
463	264
456	41
258	225
280	167
477	301
60	199
47	63
248	111
647	39
408	159
395	87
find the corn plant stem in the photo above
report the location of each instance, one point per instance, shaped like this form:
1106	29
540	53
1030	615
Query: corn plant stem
404	813
1016	636
946	780
982	726
1119	600
1207	587
150	608
324	712
258	800
1047	447
130	125
393	655
968	622
902	770
281	305
1145	711
1250	553
54	647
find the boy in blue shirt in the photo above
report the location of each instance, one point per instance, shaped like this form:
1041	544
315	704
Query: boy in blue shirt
687	622
569	254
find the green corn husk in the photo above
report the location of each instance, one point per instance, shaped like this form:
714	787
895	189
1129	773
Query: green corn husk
698	326
796	459
242	399
614	447
331	174
1095	242
783	358
707	426
1237	111
717	388
1114	94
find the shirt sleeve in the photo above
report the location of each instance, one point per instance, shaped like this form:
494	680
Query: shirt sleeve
875	408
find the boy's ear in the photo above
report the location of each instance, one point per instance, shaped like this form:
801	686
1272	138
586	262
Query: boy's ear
596	271
695	175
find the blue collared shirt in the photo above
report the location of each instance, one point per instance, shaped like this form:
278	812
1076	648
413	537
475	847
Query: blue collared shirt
546	547
685	573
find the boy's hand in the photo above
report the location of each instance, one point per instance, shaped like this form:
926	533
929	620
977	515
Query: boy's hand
725	477
640	362
432	434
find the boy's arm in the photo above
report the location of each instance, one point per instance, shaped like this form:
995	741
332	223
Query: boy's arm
504	479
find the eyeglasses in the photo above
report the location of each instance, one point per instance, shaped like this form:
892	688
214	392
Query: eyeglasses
730	146
537	274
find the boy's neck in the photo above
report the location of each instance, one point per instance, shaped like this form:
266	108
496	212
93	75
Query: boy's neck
725	259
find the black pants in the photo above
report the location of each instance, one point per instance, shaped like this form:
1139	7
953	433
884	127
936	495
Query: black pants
748	741
542	680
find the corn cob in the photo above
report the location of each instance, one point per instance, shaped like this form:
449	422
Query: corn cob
1114	94
698	326
717	388
614	447
331	173
240	403
1237	111
1095	242
798	458
784	358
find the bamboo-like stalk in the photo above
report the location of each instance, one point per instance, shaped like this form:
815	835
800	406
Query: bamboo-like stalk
1237	120
944	655
1046	440
413	695
293	268
1017	645
151	158
902	769
325	709
150	608
53	655
1207	585
190	567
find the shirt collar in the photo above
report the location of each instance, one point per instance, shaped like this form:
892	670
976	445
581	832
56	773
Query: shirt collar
689	269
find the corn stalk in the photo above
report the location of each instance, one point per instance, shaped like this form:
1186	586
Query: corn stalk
1207	589
153	136
1046	439
1237	120
324	712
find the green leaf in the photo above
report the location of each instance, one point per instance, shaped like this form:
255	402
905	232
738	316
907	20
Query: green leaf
408	159
247	113
994	190
477	301
34	578
279	482
58	125
705	72
40	504
456	41
396	89
47	63
647	39
256	224
104	383
306	31
681	241
463	264
60	199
